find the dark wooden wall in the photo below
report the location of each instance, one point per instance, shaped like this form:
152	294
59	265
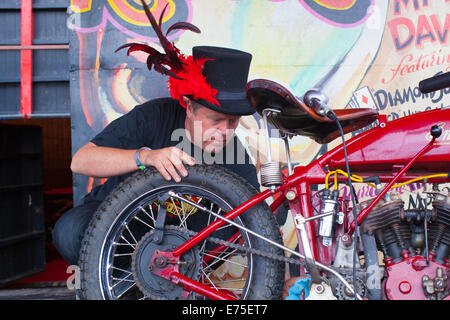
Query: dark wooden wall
57	149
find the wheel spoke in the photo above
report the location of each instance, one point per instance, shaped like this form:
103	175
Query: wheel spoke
122	254
120	269
125	239
151	216
178	214
143	222
218	288
183	222
129	234
126	290
209	280
219	259
119	280
122	244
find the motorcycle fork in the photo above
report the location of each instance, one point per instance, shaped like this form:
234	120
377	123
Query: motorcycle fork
301	211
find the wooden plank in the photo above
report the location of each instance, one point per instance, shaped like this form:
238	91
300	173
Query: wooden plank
36	47
45	293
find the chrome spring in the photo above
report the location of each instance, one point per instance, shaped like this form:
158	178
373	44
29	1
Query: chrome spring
271	174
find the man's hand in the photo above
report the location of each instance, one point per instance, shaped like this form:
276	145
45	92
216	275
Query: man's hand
167	161
105	162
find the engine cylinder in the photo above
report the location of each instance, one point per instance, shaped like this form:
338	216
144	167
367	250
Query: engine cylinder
415	244
385	222
398	231
440	231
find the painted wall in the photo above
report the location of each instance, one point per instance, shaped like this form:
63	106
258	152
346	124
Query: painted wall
361	53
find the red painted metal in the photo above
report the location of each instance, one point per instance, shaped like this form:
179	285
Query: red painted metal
219	249
404	280
165	265
279	199
396	143
367	154
26	58
191	285
366	211
218	223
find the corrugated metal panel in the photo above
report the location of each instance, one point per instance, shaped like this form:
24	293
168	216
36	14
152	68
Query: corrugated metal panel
50	25
10	66
9	98
10	30
9	82
50	67
39	4
56	92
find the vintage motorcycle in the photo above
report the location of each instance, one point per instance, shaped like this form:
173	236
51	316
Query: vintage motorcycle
213	236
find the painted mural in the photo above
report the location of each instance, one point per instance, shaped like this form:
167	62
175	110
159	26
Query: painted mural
361	53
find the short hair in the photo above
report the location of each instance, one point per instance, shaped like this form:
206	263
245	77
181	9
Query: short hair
195	105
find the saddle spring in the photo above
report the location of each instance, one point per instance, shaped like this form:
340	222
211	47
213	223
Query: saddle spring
271	175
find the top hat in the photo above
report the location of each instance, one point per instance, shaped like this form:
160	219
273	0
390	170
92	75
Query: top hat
214	77
226	70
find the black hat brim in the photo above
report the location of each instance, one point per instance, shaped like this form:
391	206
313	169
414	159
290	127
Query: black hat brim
231	107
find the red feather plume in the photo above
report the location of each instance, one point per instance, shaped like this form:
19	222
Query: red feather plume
191	82
185	74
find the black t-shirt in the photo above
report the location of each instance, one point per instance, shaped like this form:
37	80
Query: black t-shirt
154	124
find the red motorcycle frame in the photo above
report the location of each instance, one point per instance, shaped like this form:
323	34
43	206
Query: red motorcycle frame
398	151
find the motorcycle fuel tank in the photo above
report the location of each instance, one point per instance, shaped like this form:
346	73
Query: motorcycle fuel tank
394	143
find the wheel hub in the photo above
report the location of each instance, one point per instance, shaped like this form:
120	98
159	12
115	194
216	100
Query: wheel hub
152	264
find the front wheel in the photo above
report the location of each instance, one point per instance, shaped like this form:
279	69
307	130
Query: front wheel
119	242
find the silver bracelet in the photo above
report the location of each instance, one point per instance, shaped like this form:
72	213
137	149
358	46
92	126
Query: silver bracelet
139	164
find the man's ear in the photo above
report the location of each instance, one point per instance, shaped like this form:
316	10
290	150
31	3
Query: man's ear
189	107
187	101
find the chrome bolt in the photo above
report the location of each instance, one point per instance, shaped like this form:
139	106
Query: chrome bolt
320	289
290	195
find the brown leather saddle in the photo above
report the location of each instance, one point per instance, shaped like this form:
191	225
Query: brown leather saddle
297	118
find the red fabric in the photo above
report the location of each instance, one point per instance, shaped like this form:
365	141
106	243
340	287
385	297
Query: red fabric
55	271
192	82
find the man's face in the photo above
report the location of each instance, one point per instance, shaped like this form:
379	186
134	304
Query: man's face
209	129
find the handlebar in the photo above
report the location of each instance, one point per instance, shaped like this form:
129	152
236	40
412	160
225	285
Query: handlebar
435	83
317	100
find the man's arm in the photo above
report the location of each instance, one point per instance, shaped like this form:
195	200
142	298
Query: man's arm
104	162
